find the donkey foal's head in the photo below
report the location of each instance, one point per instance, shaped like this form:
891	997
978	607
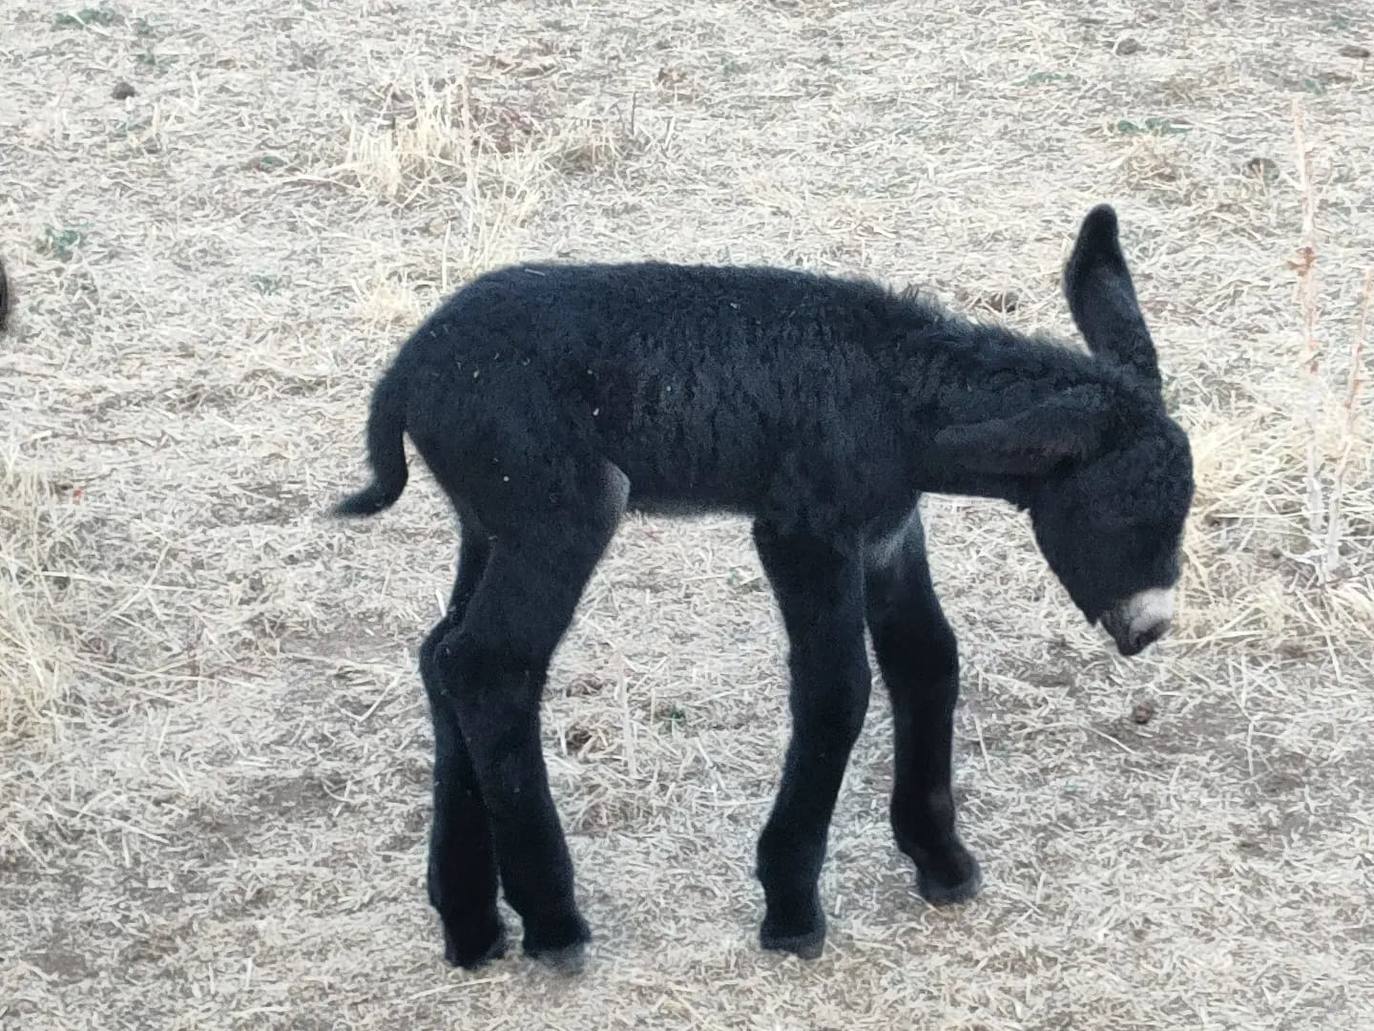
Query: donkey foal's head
1109	474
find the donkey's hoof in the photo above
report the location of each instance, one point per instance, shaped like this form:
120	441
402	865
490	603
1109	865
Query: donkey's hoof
946	873
950	883
560	944
808	945
796	926
567	961
473	946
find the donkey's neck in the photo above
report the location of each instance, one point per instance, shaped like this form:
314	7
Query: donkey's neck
952	373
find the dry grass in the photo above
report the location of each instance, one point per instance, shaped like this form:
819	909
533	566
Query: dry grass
35	660
213	753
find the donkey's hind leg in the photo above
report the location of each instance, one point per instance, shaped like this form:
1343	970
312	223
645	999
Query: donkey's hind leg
462	876
494	666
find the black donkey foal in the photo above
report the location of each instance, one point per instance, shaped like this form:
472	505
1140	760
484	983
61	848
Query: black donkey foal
548	399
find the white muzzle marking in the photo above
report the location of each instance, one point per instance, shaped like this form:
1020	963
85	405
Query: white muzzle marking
1147	609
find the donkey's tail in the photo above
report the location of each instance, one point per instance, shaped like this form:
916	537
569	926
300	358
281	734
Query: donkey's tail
386	451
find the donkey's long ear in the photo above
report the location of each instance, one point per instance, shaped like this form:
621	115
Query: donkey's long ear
1102	298
1065	427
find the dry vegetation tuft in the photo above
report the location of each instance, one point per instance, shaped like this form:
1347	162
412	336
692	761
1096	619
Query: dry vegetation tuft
214	757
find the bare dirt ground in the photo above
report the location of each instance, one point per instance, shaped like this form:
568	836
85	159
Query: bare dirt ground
214	754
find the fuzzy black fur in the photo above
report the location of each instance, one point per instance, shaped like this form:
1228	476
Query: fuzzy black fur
547	399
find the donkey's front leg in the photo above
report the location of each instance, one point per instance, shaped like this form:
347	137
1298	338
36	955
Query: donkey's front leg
919	657
819	587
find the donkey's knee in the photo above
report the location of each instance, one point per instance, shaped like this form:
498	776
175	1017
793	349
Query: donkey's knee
428	668
493	690
830	689
435	672
473	667
927	653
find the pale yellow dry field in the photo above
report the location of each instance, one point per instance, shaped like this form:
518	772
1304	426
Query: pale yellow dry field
214	753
